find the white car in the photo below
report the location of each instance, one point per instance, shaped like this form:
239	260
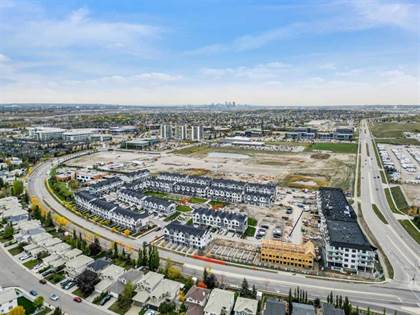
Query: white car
54	297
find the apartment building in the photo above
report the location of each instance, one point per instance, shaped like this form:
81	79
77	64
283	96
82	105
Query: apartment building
287	254
187	235
345	247
228	220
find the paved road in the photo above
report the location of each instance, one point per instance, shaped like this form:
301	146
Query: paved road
394	295
400	248
13	274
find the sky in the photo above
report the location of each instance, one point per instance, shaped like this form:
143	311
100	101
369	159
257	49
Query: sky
154	52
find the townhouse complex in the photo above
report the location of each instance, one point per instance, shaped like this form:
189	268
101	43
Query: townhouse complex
345	246
218	189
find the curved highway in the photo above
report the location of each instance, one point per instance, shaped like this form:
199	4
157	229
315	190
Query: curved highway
401	294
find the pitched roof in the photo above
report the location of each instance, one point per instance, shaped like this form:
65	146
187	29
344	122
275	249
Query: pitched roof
187	229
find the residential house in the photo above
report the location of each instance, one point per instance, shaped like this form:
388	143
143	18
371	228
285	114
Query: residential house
77	265
159	205
166	291
134	276
8	300
274	307
187	235
220	302
228	220
245	306
196	299
145	287
303	309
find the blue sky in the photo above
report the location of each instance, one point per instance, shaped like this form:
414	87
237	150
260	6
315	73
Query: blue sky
208	51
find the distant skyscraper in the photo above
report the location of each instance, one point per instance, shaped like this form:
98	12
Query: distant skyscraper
166	131
181	132
197	133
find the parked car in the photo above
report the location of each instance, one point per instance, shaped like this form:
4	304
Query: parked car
54	297
42	281
69	285
77	299
24	257
33	293
105	299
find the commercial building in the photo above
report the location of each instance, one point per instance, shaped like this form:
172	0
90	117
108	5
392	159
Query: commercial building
187	235
139	143
345	247
77	135
46	133
287	254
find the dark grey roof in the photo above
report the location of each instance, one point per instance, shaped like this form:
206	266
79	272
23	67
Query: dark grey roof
222	214
106	182
303	309
132	193
334	205
274	307
103	204
176	226
85	195
159	201
98	264
130	214
347	234
329	309
137	173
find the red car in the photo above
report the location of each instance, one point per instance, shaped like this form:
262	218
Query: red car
77	299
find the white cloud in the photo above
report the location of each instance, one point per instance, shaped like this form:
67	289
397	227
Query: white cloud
78	29
349	16
267	71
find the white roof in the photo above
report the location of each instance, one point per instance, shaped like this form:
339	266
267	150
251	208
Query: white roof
79	262
112	271
220	299
246	305
151	279
72	253
7	295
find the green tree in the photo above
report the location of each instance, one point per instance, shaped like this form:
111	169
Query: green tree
57	311
125	297
39	301
245	288
94	247
167	308
17	188
290	302
8	231
48	220
145	260
139	258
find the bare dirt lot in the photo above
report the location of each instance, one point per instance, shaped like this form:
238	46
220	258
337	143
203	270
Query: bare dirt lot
283	168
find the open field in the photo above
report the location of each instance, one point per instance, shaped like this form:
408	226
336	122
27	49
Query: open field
335	147
392	132
334	168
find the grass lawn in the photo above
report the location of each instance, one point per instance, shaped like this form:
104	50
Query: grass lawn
79	293
197	200
383	177
411	230
16	250
27	305
56	277
31	263
4	240
250	231
399	198
117	309
252	221
394	129
335	147
172	216
183	208
390	202
379	214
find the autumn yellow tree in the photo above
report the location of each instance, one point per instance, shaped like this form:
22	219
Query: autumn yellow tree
18	310
61	221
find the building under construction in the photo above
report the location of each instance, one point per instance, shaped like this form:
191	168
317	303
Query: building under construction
288	254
